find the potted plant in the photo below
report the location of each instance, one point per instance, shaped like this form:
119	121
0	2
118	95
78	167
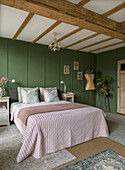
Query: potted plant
103	82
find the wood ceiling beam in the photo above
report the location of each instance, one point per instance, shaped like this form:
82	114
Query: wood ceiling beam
71	9
82	3
7	2
112	11
106	46
99	42
66	12
25	22
123	24
69	34
83	39
46	31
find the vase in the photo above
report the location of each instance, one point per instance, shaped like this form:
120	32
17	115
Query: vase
1	92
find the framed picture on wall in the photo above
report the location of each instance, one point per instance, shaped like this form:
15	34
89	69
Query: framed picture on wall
66	69
76	65
79	76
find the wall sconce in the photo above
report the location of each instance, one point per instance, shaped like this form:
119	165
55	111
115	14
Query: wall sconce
62	82
12	81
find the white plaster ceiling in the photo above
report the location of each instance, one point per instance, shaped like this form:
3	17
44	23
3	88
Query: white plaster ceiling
11	19
102	6
90	41
118	16
61	30
115	40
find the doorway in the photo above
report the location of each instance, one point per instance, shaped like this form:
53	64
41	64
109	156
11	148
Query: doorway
121	87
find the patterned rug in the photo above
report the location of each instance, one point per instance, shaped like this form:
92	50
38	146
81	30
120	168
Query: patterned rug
10	143
104	160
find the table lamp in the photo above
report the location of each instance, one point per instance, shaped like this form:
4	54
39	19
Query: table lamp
62	82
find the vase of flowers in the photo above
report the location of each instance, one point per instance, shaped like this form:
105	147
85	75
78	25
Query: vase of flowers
3	82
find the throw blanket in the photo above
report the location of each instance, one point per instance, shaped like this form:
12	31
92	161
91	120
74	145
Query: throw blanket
24	113
52	131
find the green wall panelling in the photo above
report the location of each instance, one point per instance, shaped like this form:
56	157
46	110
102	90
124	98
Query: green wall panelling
3	57
17	61
35	65
106	63
78	84
66	58
51	71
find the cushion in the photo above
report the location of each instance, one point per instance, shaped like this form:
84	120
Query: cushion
20	94
31	97
42	89
50	96
25	90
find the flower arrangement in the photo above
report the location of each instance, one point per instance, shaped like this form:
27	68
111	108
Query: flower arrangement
3	81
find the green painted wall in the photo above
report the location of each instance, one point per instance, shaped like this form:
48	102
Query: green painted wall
35	65
106	63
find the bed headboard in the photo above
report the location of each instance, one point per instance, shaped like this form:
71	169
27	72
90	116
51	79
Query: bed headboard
13	95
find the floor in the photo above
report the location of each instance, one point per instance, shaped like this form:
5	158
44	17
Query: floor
116	125
94	146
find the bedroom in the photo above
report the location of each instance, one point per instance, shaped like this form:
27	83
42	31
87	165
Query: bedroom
46	69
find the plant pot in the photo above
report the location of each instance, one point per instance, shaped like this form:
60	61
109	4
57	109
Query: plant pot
1	92
102	89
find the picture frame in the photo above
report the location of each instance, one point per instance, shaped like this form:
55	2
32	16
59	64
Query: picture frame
79	76
66	69
76	65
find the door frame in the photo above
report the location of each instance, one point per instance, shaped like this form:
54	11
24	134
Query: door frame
119	62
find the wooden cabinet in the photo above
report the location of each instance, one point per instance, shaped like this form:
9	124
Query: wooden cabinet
4	111
68	96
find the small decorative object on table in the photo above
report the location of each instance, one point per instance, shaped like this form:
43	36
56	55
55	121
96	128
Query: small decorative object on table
3	82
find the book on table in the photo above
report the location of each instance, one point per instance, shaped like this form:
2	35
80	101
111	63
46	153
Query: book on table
2	107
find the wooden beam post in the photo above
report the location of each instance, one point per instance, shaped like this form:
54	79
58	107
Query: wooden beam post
25	22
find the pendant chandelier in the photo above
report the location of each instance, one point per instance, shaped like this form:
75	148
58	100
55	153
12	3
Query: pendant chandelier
54	46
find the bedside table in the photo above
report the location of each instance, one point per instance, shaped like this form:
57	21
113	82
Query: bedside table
68	96
4	111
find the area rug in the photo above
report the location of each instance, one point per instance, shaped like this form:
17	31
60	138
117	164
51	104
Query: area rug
104	160
10	143
116	125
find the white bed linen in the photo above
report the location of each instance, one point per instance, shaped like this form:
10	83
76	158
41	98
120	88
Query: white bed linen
52	131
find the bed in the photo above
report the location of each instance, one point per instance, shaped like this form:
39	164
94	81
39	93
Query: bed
54	130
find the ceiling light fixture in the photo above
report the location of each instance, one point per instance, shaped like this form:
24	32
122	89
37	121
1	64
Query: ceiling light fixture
54	46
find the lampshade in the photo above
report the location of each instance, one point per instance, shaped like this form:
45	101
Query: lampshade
90	82
13	81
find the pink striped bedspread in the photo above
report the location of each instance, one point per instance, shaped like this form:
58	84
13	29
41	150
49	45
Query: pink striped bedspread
52	131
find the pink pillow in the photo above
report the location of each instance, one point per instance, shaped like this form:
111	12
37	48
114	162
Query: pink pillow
47	90
23	90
